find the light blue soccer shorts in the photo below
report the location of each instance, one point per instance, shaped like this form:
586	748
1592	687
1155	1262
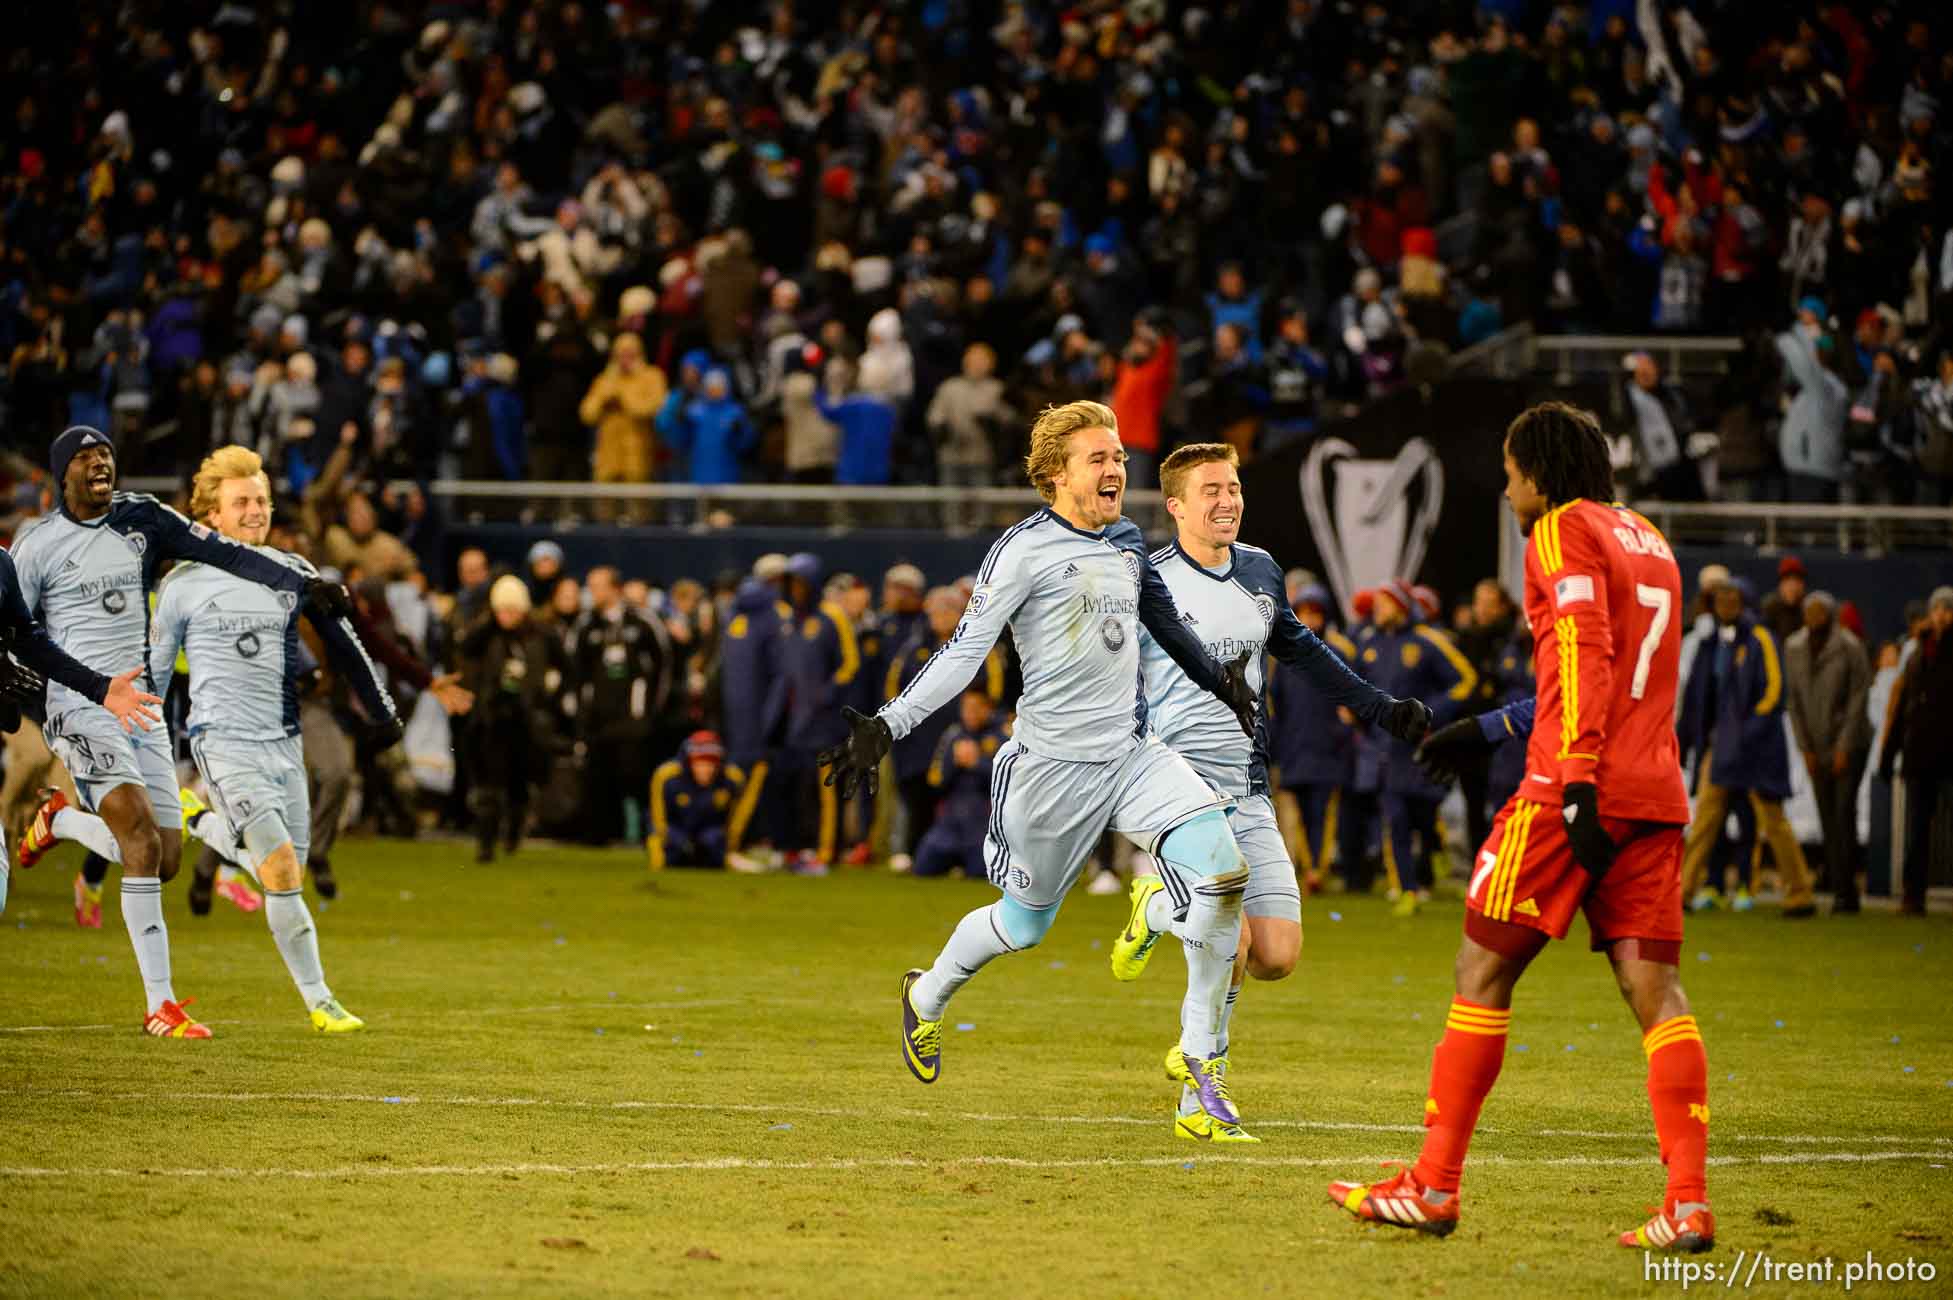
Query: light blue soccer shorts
99	755
1047	814
259	787
1272	890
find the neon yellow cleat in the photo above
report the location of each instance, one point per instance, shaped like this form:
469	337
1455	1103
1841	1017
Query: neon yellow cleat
1202	1127
193	808
1134	946
331	1018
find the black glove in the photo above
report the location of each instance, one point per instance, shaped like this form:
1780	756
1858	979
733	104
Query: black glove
1407	720
328	599
383	736
1593	847
20	683
1237	694
1454	751
857	760
20	686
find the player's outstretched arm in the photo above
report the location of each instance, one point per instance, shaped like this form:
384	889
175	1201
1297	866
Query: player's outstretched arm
1301	649
173	536
1000	591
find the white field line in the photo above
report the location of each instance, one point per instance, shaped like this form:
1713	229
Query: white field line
970	1117
683	1004
719	1163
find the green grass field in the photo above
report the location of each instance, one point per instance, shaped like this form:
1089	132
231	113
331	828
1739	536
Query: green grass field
579	1080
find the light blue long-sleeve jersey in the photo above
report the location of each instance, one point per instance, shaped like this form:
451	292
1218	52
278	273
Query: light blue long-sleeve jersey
244	651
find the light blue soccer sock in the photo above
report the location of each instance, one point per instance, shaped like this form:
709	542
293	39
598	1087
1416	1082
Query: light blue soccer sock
980	937
87	829
142	914
298	942
977	941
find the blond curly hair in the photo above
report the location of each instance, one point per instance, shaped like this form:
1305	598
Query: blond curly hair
218	468
1050	440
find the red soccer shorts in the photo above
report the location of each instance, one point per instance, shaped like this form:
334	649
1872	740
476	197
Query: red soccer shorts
1526	875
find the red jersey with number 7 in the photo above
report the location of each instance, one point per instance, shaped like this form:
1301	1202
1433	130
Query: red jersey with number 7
1604	598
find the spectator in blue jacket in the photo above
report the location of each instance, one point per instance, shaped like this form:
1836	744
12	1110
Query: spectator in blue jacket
1233	303
692	802
867	425
1412	660
959	775
1309	740
1732	738
710	430
753	681
821	660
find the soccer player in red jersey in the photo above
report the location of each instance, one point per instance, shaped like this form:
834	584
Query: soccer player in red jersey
1596	826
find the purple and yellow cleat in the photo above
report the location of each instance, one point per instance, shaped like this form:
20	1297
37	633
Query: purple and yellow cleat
1207	1076
922	1040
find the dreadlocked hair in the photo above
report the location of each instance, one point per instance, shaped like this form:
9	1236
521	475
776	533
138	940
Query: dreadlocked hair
1561	449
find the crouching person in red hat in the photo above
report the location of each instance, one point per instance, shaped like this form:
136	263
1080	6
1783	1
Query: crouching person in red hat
692	798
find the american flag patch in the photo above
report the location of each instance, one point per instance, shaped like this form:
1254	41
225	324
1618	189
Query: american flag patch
1572	590
200	532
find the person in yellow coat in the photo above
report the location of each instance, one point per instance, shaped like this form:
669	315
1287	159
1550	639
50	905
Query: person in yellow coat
621	405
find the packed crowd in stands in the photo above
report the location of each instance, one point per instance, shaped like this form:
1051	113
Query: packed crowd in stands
859	244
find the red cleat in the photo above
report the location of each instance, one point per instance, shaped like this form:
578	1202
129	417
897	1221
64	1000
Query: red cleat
170	1021
858	855
1689	1234
88	904
239	895
40	832
1399	1202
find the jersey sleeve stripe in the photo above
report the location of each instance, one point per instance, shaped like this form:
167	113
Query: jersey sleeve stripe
1772	672
997	549
1567	634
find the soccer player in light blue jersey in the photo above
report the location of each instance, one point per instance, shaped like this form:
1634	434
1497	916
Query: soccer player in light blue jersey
87	571
1074	586
242	643
1232	597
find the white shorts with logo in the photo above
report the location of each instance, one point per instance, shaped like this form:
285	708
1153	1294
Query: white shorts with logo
1047	814
100	755
1272	890
251	780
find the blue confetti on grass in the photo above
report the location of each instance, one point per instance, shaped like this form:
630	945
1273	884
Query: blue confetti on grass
1908	1069
1895	1038
1569	1047
780	1128
1702	956
698	1053
1396	979
1732	1078
1189	1166
1780	1024
600	1033
965	1027
1593	1024
394	1101
1097	944
561	941
1520	1047
1335	916
1055	965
